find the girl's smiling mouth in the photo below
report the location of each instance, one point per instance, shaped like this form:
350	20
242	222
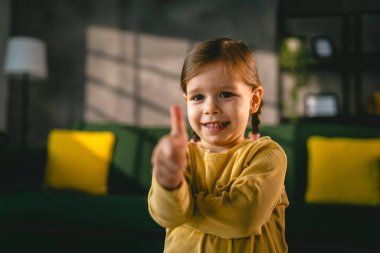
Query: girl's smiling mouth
215	126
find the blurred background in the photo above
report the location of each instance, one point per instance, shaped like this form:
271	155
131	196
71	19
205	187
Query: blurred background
120	61
114	65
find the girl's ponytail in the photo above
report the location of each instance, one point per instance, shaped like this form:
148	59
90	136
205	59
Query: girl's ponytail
195	137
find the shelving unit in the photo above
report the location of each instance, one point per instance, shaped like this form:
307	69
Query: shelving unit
345	21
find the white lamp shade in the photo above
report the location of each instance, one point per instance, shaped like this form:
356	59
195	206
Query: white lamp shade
26	55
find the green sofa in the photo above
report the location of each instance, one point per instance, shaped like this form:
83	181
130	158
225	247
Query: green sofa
33	218
335	228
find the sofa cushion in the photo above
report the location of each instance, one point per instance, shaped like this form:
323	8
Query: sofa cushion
130	171
79	160
293	138
343	170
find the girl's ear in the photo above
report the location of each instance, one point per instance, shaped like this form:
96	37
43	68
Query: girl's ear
185	98
256	97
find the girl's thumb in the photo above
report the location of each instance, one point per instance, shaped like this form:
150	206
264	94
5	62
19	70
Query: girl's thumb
178	127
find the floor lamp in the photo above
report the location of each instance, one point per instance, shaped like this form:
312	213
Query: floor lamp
25	60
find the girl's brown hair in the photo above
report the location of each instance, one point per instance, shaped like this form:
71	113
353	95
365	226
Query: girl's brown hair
234	57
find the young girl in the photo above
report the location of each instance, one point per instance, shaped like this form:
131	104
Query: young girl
223	193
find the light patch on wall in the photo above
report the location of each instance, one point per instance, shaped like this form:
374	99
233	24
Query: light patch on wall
159	90
109	72
107	105
132	78
112	42
266	66
163	53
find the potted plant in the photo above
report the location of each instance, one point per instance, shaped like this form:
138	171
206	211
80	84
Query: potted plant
295	59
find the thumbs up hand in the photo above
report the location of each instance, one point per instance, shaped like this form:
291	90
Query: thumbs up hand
169	157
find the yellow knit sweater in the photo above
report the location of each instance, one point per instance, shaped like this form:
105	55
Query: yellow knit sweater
228	202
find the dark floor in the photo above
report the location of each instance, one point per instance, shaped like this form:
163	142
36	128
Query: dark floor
56	241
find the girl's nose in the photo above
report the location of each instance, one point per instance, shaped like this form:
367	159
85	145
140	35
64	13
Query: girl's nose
211	106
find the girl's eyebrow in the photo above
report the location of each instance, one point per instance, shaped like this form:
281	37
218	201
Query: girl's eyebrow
227	87
223	87
194	90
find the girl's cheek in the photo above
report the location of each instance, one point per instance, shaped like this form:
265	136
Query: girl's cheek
191	114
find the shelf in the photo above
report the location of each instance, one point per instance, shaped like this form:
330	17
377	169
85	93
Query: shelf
302	8
350	63
372	120
328	65
334	64
368	61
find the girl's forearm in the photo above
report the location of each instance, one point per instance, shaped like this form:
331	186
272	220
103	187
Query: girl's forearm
170	208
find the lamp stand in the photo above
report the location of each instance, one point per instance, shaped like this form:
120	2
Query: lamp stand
24	109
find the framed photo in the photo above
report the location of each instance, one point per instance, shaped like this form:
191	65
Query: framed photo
323	47
321	105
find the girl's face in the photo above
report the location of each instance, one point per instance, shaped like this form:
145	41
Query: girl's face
218	107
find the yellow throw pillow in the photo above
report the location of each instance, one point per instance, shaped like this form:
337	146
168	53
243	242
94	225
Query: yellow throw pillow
79	160
343	170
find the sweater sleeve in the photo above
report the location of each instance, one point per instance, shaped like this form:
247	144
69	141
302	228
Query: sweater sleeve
247	205
170	209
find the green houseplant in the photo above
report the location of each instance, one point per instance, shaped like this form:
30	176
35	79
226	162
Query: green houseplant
295	58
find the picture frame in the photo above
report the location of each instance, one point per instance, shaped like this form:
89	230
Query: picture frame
323	47
321	105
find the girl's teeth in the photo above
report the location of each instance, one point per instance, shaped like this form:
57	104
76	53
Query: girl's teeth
215	125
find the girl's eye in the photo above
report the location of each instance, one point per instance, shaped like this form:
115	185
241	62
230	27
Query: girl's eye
198	97
225	94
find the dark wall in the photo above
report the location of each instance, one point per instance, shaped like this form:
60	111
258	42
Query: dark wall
4	27
58	101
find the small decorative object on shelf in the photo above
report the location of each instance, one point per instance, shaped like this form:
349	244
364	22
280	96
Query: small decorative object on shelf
323	47
321	105
295	58
373	104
